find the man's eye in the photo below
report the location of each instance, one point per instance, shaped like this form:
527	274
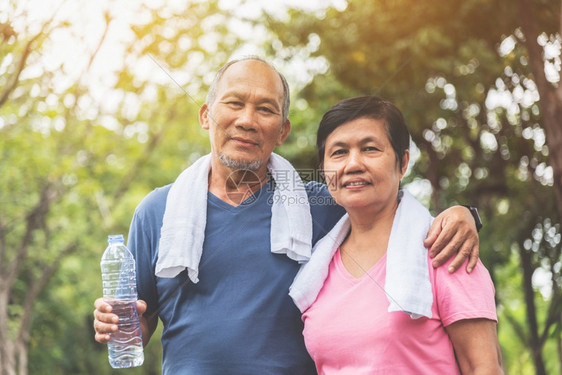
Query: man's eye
370	148
266	109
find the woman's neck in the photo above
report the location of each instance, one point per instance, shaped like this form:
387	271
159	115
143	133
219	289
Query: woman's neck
367	241
366	221
370	230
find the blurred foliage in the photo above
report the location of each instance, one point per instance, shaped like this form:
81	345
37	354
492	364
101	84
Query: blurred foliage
72	171
72	168
447	70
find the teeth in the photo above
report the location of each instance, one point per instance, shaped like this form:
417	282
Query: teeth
357	183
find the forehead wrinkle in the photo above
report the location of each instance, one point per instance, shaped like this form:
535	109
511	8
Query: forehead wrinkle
362	141
259	98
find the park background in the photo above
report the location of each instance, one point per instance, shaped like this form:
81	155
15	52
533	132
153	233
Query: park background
99	103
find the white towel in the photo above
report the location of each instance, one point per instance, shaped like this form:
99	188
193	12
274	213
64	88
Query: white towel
407	284
185	217
291	221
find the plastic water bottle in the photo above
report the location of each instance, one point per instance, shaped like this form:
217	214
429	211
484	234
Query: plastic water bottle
120	291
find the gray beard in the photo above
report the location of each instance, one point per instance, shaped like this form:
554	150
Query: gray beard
239	164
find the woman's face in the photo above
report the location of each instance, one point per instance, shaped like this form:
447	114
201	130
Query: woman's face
360	166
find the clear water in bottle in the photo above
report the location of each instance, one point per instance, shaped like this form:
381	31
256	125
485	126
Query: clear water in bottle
120	291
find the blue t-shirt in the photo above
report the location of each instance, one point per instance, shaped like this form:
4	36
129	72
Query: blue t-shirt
238	319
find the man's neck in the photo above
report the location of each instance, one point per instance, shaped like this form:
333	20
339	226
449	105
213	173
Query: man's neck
235	186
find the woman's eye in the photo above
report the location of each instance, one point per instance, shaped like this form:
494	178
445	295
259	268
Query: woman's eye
370	148
338	152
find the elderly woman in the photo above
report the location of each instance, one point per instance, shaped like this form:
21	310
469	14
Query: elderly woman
371	302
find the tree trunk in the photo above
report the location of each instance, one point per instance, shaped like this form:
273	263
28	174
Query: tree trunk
550	96
8	365
559	346
551	111
552	117
534	342
7	358
21	349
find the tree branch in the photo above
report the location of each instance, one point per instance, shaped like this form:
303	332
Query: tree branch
100	43
528	24
26	52
531	309
134	170
2	247
518	328
555	308
553	316
36	288
559	88
34	221
21	64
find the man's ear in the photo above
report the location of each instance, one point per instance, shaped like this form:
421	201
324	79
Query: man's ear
285	130
204	116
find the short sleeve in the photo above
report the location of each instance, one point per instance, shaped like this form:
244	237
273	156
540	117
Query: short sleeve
461	295
144	236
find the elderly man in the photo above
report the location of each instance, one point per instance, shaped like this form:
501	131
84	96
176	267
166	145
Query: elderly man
217	250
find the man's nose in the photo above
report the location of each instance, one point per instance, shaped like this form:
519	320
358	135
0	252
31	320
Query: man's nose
247	118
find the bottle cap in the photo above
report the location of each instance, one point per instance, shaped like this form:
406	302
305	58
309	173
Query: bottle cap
115	238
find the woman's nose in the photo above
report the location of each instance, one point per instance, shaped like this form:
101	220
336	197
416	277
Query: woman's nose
354	162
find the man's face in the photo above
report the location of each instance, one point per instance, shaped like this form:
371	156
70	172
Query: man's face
245	121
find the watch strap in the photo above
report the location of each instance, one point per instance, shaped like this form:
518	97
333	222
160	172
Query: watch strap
475	215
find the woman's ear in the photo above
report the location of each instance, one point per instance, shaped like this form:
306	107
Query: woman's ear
405	161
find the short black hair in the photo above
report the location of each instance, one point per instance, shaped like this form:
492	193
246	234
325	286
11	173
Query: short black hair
372	107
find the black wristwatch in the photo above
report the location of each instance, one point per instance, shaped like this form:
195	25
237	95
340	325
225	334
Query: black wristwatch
477	220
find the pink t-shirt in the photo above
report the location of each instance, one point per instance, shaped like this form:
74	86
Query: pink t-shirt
348	329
